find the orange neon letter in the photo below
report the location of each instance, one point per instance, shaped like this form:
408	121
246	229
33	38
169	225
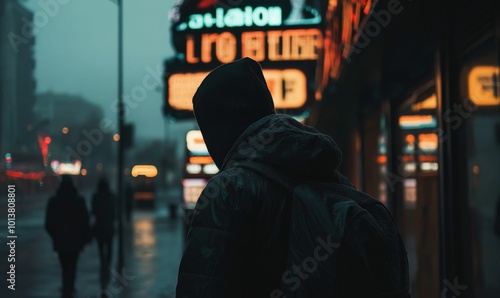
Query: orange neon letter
253	45
190	56
225	48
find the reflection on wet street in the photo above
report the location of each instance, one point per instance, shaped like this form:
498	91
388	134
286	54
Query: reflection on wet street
152	250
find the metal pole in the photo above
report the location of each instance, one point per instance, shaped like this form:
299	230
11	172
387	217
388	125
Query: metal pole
121	115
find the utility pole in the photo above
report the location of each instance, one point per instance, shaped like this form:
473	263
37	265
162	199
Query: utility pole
121	115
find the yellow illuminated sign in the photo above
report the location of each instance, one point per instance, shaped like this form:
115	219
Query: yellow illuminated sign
281	45
144	170
484	85
181	89
288	88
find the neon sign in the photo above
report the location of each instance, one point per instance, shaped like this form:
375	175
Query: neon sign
234	17
285	37
281	45
288	88
484	85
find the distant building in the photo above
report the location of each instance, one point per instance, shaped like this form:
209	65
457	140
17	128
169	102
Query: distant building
75	126
17	82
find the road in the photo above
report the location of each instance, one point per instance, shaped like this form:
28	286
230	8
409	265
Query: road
153	248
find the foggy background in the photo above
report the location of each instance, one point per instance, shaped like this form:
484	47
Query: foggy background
76	53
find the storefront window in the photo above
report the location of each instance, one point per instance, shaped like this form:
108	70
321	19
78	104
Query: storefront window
480	111
375	162
418	168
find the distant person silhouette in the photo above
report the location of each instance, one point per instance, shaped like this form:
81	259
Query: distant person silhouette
67	222
103	210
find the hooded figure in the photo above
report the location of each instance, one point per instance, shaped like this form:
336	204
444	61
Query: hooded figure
67	222
239	242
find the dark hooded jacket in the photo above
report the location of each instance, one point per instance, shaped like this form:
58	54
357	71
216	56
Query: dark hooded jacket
238	242
67	219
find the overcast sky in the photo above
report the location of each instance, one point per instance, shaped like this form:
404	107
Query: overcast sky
76	52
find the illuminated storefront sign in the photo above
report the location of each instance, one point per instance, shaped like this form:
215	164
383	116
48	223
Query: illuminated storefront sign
234	17
285	37
281	45
288	88
484	85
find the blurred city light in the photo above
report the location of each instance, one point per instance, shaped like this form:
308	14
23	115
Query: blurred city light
116	137
144	170
193	168
67	168
201	159
475	170
192	189
8	160
195	142
417	121
210	169
65	130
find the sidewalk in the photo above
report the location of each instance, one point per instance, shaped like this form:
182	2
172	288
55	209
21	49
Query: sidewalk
152	251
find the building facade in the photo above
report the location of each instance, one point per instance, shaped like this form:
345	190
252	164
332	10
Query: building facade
17	82
410	91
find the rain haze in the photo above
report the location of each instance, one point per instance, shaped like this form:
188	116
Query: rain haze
344	148
76	53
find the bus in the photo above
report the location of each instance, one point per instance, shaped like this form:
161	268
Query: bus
144	194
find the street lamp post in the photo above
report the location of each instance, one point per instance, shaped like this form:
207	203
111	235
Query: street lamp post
121	115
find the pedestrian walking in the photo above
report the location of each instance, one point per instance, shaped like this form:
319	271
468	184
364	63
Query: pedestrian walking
103	211
67	222
279	220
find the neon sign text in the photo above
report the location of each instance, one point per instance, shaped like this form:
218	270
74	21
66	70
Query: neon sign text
279	45
288	88
235	17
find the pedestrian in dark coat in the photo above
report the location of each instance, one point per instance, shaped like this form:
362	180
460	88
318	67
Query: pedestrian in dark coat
103	210
67	222
250	237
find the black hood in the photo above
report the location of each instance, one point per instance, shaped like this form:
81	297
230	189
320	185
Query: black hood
289	146
228	101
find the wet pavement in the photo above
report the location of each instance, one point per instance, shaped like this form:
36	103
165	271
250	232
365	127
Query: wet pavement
152	251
